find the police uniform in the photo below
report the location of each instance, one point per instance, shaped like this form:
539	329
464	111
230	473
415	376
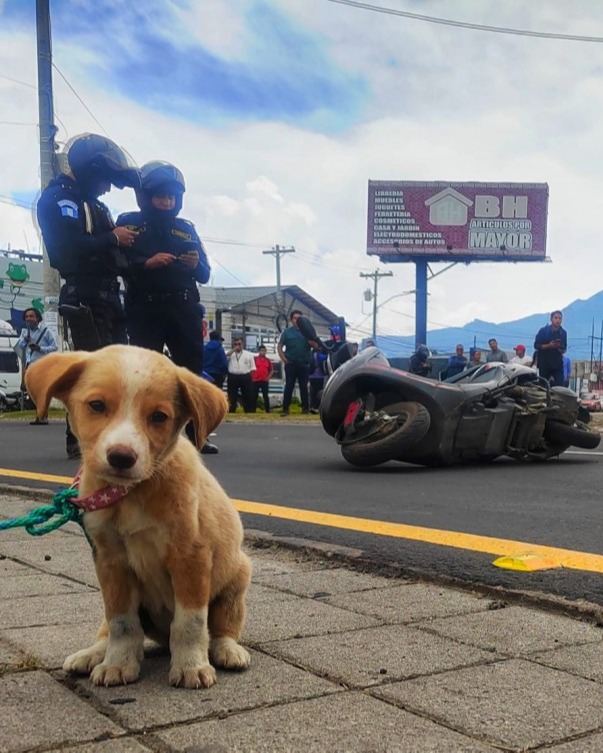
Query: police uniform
78	235
162	304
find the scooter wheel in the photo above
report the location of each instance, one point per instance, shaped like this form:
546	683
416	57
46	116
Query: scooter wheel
577	436
392	438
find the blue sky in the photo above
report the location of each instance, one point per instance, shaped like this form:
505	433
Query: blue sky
279	112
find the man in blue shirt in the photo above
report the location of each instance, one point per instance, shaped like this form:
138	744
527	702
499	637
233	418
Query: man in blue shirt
456	363
35	342
550	345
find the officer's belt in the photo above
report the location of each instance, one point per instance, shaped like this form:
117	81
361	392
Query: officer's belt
108	285
179	295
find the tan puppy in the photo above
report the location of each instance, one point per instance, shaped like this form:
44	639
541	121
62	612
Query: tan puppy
168	554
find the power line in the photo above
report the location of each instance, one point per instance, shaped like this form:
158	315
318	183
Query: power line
88	110
16	81
467	25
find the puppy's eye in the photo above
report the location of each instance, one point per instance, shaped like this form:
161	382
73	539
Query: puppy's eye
158	417
97	406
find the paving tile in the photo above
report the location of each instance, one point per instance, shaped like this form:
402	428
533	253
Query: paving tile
277	562
14	506
274	615
325	583
129	745
588	744
10	567
362	658
39	584
348	722
151	702
69	555
38	711
515	703
517	630
586	660
50	646
10	656
65	609
410	602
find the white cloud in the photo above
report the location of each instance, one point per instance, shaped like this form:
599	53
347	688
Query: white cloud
440	104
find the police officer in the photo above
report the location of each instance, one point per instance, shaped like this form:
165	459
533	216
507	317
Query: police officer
84	244
419	361
166	262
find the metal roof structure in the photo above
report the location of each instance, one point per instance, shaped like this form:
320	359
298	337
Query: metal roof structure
238	299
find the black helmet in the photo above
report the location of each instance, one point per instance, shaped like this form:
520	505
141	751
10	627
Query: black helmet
93	158
160	176
423	352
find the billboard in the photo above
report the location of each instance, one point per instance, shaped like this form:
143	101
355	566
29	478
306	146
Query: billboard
21	286
443	221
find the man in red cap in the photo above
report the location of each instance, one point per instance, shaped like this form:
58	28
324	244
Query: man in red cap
520	356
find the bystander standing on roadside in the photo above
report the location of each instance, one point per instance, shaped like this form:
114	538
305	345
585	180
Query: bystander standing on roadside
476	358
261	379
316	379
457	362
241	365
295	352
35	342
495	353
215	362
567	371
84	245
551	344
520	356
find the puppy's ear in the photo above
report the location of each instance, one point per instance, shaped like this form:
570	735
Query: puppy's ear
53	376
206	404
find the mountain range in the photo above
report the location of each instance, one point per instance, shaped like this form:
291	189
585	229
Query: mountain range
582	319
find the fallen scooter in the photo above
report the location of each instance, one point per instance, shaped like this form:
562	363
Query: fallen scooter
377	413
15	401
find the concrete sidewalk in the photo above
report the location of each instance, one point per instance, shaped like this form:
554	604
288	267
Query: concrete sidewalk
341	661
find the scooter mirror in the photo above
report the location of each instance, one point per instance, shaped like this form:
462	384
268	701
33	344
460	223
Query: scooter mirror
306	327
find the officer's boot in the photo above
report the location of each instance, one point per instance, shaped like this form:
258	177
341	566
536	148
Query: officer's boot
71	444
208	448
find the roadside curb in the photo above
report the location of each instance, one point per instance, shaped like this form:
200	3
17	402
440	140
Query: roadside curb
358	560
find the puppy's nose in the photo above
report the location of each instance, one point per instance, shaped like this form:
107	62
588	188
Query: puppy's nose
121	458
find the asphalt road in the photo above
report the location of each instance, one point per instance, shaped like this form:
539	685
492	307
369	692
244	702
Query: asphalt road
556	503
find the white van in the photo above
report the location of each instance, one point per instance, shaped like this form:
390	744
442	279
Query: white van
10	363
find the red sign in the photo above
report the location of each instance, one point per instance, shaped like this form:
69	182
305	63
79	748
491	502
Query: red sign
466	221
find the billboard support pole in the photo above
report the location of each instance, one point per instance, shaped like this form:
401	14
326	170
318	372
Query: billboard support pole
421	302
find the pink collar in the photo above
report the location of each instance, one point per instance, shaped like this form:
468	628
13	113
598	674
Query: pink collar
99	500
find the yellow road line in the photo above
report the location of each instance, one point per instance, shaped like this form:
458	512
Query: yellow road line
37	476
567	558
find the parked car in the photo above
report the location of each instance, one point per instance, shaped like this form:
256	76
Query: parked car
591	401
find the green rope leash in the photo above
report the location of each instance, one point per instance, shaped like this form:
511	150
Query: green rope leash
40	521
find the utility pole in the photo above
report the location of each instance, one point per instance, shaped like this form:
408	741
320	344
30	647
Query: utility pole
277	252
52	281
375	276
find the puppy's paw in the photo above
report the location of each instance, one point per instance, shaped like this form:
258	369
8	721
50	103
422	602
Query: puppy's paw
228	654
193	677
84	661
115	674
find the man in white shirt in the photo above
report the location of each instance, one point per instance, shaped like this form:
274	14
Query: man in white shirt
520	356
240	365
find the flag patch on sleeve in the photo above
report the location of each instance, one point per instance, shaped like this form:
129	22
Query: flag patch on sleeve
69	208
